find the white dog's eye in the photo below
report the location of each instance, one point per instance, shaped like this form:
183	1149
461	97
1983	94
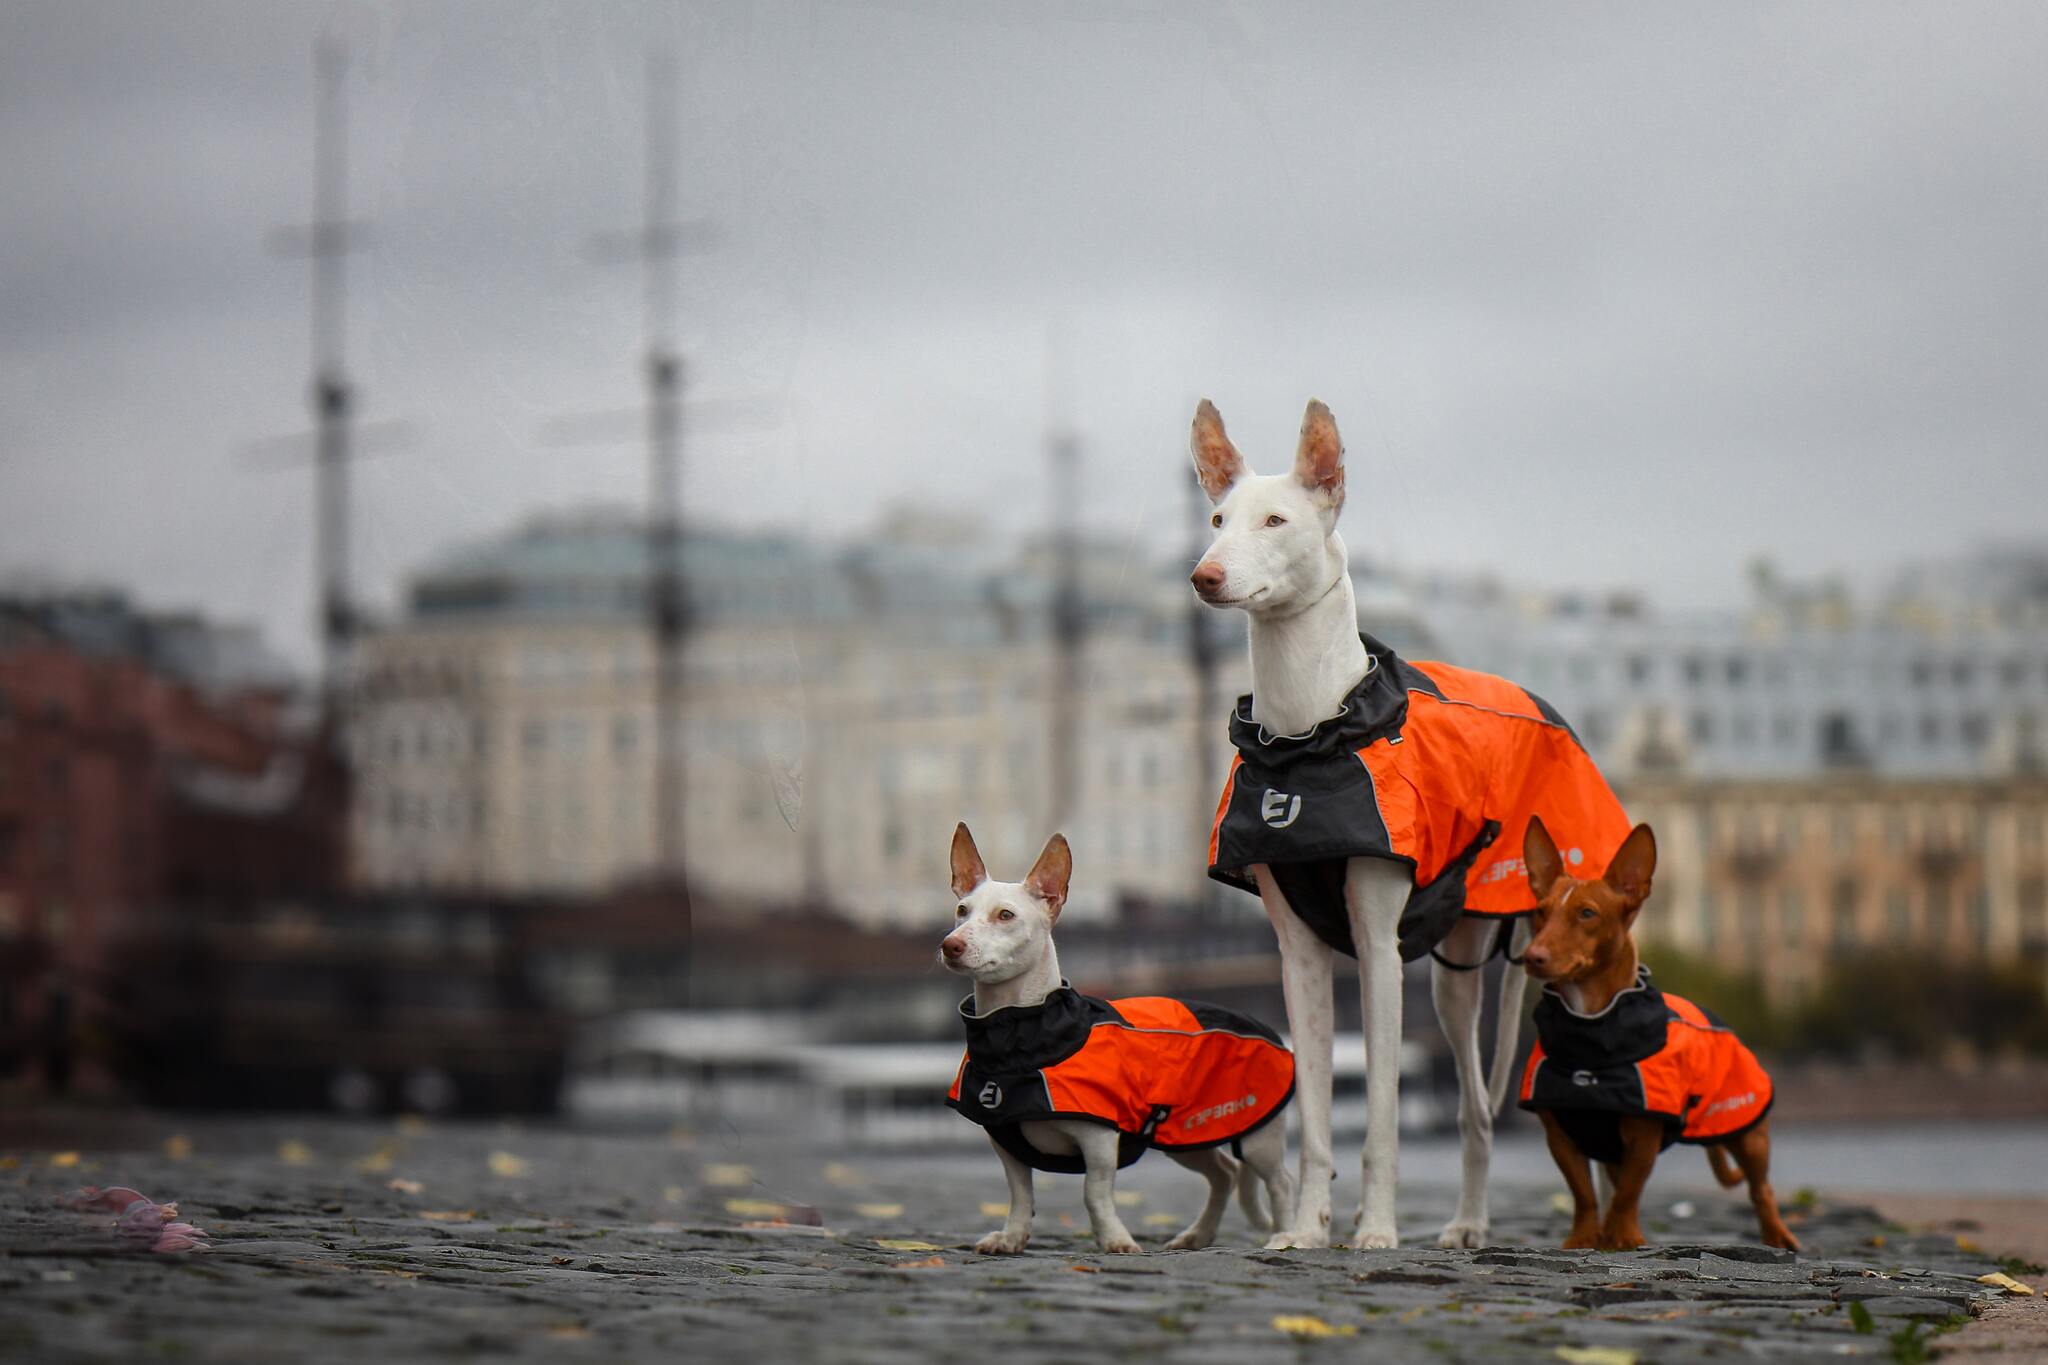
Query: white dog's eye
1216	520
1276	520
959	912
1006	914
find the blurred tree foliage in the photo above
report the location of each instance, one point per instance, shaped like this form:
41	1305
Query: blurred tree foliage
1880	1004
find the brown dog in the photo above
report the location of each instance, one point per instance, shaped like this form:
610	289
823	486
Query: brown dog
1622	1070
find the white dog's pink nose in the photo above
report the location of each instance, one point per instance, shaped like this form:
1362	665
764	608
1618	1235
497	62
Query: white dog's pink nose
1207	578
953	947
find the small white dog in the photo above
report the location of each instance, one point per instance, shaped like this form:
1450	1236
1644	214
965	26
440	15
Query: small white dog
1067	1082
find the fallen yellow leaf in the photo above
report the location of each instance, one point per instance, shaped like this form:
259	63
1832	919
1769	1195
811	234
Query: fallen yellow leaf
680	1136
1160	1220
994	1210
1306	1325
507	1165
1560	1203
1998	1279
843	1175
1596	1355
375	1163
293	1152
673	1194
879	1210
928	1263
404	1186
448	1215
728	1174
8	1163
754	1208
177	1146
905	1244
1129	1199
412	1125
64	1161
569	1330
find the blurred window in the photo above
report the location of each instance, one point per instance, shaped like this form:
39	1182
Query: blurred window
533	735
1702	727
1975	728
1695	670
1792	914
1898	915
1710	911
1844	828
1639	668
1930	728
1923	672
2012	671
1961	671
1980	919
1845	912
1738	670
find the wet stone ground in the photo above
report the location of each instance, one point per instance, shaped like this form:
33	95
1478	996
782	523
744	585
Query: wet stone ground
447	1242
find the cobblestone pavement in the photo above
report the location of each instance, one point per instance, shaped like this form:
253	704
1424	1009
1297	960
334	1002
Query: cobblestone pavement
444	1242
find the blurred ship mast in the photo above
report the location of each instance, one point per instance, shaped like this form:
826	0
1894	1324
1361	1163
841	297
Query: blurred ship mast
1068	616
657	247
326	242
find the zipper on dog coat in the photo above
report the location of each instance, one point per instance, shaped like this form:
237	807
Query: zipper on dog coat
1429	765
1648	1054
1163	1073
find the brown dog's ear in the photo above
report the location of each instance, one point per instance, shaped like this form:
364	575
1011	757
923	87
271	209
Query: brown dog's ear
1629	870
1319	459
968	871
1217	463
1539	854
1051	873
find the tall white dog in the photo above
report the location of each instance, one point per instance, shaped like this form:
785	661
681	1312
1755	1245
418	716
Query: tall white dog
1277	556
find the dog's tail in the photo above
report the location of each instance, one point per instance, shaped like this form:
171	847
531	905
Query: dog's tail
1255	1211
1507	1028
1726	1171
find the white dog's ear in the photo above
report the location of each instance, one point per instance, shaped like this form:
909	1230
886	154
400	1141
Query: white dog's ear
1217	463
1051	873
1319	459
968	871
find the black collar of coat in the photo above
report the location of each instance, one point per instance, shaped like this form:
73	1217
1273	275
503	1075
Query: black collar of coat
1030	1037
1633	1026
1375	706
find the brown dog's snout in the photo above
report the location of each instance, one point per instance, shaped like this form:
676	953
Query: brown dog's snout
1207	577
1536	957
953	947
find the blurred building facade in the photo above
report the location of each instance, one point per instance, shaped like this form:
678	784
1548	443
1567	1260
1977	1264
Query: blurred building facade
901	684
1821	775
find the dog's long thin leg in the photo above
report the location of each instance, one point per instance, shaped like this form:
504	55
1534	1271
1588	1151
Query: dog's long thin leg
1458	997
1015	1233
1375	892
1507	1023
1098	1146
1265	1155
1220	1170
1305	981
1752	1152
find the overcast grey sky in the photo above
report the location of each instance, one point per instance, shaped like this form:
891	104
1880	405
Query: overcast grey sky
1601	294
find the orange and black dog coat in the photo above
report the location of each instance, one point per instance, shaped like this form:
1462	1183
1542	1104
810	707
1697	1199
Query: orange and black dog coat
1428	765
1649	1054
1163	1073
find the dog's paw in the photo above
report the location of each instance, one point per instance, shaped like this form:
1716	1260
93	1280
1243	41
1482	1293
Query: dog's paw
1003	1243
1125	1245
1461	1234
1379	1239
1194	1239
1294	1239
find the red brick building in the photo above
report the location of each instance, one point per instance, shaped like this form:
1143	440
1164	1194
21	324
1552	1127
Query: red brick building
143	763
